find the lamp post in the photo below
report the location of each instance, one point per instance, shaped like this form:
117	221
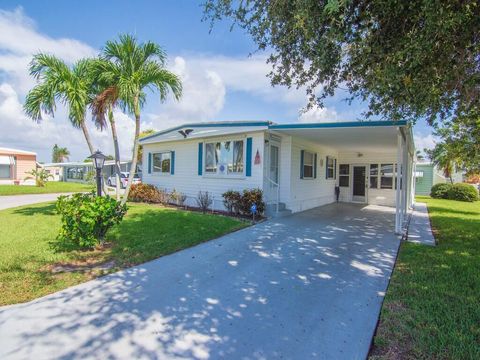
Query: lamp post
98	161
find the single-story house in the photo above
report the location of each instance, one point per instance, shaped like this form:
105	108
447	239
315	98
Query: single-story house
296	165
82	171
427	175
15	164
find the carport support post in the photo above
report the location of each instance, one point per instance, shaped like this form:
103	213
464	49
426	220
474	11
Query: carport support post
398	226
404	179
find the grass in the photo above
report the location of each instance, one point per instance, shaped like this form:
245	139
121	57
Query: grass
50	187
431	310
27	256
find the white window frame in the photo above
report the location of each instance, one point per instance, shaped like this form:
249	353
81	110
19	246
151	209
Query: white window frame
380	176
340	175
312	165
227	175
327	167
161	172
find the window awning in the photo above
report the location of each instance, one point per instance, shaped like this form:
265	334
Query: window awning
5	160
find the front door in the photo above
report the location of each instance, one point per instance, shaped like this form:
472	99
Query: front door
272	171
359	183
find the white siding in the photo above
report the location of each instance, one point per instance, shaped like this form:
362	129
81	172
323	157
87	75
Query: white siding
374	196
186	178
309	193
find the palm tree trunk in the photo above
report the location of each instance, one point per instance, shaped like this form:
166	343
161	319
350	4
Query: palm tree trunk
87	137
133	167
117	152
91	148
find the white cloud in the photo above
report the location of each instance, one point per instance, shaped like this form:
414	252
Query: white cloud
424	141
19	40
317	114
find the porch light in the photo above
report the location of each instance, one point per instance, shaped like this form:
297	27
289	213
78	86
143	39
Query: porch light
98	162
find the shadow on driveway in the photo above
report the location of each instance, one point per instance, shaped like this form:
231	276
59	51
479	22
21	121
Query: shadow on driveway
306	286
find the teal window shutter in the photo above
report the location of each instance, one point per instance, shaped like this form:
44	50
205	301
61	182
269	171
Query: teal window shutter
302	156
149	163
248	166
200	158
172	162
335	169
326	167
315	166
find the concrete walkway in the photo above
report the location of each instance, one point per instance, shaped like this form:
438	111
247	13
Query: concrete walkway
419	229
12	201
300	287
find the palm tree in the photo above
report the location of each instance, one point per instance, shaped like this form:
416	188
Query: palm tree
130	67
59	154
441	157
103	104
58	82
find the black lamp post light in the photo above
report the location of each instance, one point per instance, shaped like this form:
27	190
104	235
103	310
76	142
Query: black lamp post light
98	162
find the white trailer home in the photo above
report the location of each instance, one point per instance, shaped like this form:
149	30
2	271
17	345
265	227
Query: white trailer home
297	165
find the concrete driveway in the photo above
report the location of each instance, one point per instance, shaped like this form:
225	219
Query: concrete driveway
12	201
301	287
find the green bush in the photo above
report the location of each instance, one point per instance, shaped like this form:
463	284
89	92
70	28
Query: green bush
146	193
250	197
440	191
86	218
231	201
462	192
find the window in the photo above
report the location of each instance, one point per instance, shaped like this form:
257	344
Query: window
344	172
225	157
330	168
161	162
386	176
5	166
308	160
4	171
373	176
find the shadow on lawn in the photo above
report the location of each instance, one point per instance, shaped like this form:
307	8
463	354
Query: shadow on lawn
299	287
48	209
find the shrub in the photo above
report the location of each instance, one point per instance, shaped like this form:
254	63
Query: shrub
232	201
440	191
146	193
250	197
178	197
462	192
86	218
204	200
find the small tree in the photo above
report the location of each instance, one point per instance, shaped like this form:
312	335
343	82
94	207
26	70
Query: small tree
40	175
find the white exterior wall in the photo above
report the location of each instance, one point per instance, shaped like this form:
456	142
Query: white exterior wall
374	196
186	179
309	193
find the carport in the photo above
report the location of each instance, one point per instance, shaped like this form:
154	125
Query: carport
373	161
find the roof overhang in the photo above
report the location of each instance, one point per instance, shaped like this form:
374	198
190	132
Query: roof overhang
364	136
202	130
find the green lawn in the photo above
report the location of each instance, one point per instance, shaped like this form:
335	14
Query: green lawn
147	232
432	307
50	187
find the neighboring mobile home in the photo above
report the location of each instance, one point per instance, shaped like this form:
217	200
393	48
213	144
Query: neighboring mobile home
82	171
296	165
15	164
427	175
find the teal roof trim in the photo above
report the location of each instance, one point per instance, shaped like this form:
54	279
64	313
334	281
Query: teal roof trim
338	125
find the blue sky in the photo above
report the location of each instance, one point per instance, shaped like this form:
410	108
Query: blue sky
221	81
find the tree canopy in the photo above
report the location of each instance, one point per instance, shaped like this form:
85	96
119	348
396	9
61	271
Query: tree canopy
406	59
